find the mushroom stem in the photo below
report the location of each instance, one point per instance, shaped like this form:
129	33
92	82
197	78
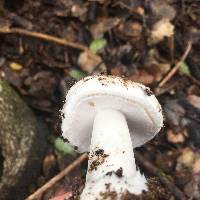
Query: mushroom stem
111	166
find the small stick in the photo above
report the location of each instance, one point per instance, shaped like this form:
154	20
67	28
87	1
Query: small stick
194	80
56	178
174	69
163	178
43	37
161	91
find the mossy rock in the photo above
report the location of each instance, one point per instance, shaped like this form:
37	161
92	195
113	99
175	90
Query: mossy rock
22	144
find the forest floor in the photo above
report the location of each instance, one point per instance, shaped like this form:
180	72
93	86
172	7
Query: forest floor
44	49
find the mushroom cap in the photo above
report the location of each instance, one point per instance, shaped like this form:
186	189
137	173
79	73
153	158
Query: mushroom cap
94	93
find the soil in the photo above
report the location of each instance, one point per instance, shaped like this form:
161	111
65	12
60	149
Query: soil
143	41
97	158
156	191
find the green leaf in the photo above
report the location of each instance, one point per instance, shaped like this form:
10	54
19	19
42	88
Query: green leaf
77	74
62	147
184	69
97	45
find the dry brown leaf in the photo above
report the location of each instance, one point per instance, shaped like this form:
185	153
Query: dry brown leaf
161	29
194	100
193	90
133	30
78	10
156	65
141	76
49	163
175	137
116	71
162	9
105	24
139	10
88	62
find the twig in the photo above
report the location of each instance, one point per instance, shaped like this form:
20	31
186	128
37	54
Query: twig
174	69
163	178
56	178
194	80
43	37
160	91
171	47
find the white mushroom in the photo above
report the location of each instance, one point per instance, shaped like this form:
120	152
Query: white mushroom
108	117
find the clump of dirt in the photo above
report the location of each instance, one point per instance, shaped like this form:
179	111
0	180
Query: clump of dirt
97	158
118	172
77	188
148	91
155	191
99	152
109	194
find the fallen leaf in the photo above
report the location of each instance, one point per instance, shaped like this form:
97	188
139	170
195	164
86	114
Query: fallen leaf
2	61
49	164
139	10
193	90
141	76
156	65
192	188
97	44
62	147
117	71
174	112
162	9
77	74
79	10
184	69
103	25
175	138
165	162
161	29
194	100
88	62
130	29
15	66
187	158
41	85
